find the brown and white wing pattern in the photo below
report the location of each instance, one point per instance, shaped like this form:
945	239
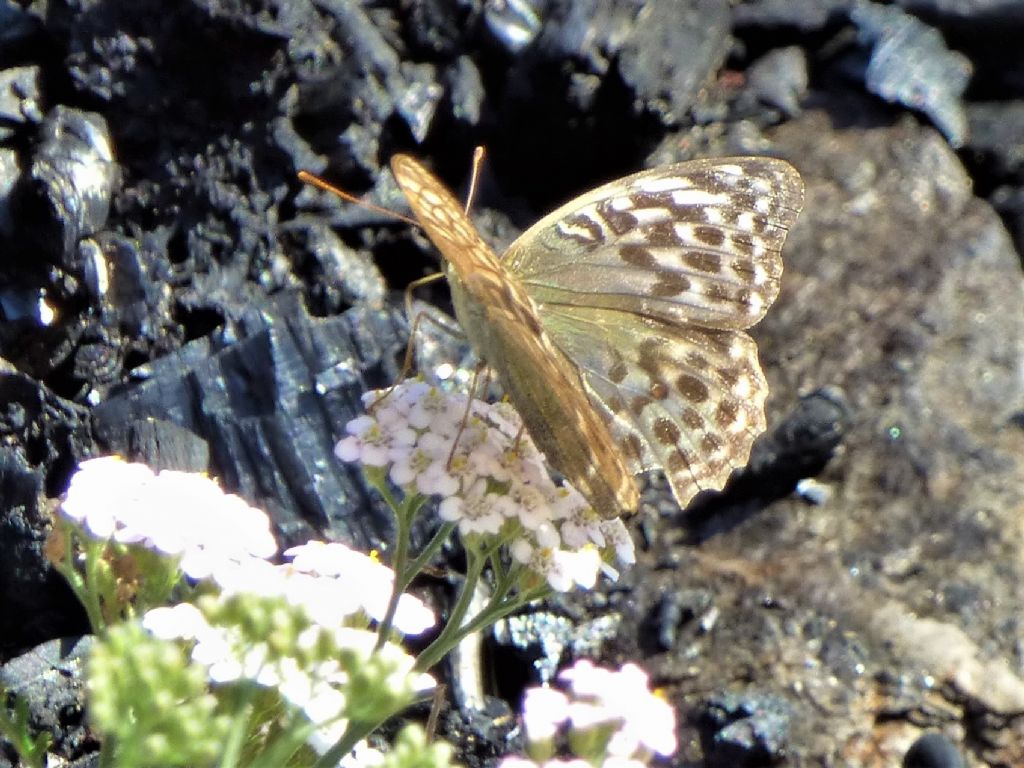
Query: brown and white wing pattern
646	285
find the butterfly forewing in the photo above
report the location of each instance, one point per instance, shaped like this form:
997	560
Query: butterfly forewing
696	243
645	283
501	321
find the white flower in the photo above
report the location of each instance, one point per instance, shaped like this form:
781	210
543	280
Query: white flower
524	462
615	533
544	710
603	695
522	762
530	505
179	514
648	719
581	566
599	698
331	582
105	492
407	468
580	522
436	410
362	755
317	688
543	557
363	578
370	443
623	762
493	475
176	622
477	511
587	679
486	459
189	515
437	481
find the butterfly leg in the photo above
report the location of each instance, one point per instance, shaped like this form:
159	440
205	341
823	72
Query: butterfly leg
410	347
519	436
414	327
410	344
403	374
480	367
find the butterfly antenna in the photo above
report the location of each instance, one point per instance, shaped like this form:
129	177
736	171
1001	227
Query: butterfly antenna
474	176
326	186
316	181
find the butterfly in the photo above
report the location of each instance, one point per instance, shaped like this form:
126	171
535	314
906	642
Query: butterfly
615	324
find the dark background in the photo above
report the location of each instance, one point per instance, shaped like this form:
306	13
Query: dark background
170	292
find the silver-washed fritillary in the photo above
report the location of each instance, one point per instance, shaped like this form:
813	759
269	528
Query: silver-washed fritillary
616	323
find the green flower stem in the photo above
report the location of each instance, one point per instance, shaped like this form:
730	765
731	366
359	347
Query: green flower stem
404	515
66	568
283	747
506	579
427	554
14	726
498	607
235	741
451	634
162	576
89	594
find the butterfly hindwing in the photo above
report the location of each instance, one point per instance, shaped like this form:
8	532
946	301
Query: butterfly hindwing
686	399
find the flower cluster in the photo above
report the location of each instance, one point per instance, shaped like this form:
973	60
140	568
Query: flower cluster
288	635
299	628
331	582
331	674
179	514
489	478
608	718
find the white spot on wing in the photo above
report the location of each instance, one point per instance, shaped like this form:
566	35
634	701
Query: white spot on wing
756	304
740	422
697	197
569	229
684	231
651	215
662	184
